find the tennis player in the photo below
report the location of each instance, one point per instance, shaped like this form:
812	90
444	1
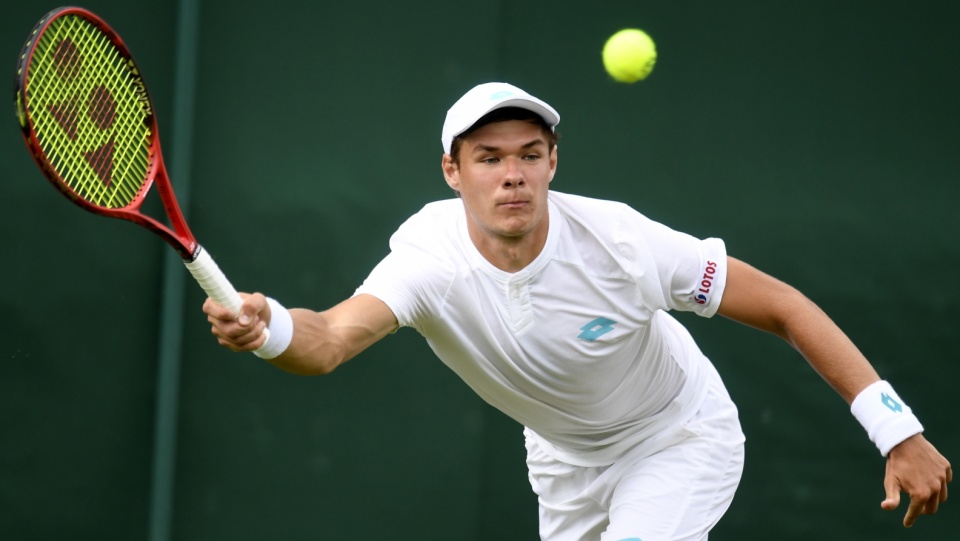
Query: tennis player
554	308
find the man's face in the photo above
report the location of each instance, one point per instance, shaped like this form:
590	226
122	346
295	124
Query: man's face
503	178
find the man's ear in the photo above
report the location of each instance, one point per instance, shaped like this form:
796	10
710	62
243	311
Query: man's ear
451	172
553	162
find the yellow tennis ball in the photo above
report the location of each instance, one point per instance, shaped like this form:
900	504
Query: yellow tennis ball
629	55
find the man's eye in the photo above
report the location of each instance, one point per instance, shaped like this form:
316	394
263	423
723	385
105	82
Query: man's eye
531	157
490	160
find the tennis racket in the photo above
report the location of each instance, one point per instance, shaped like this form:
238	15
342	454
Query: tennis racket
88	122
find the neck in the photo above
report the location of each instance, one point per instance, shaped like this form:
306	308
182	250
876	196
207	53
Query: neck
510	253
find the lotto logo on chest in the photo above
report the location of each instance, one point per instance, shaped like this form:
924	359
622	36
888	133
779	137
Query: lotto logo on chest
596	328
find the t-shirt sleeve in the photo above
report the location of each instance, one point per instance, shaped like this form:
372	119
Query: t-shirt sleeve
692	272
697	283
412	279
400	282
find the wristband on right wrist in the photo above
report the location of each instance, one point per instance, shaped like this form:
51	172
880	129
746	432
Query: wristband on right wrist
887	420
281	331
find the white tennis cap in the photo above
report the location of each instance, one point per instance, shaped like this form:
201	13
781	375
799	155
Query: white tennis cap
487	97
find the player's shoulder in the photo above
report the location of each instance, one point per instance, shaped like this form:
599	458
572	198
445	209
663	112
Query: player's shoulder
612	223
434	216
442	210
582	204
593	213
429	228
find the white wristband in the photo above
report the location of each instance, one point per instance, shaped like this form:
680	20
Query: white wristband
883	414
281	331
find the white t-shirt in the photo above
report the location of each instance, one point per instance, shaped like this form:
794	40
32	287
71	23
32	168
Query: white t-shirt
577	346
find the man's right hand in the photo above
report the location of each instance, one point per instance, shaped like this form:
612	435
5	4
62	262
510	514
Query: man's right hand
243	332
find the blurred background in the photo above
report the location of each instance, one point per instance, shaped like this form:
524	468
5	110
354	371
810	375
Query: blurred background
819	139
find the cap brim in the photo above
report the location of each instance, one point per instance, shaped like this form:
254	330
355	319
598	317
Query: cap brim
464	123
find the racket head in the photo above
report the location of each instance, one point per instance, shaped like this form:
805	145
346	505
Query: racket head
89	123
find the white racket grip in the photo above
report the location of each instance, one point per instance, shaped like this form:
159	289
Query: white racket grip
205	270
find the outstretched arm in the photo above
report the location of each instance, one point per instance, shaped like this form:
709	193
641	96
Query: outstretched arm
321	341
763	302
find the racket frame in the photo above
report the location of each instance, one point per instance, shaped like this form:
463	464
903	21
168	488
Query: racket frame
178	234
198	261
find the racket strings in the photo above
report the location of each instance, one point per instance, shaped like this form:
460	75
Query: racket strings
90	112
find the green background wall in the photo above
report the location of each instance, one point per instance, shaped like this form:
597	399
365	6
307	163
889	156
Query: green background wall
820	139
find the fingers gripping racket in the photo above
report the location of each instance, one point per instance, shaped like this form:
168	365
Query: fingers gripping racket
88	121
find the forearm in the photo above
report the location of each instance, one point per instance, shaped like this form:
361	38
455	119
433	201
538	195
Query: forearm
756	299
760	301
322	341
314	348
826	347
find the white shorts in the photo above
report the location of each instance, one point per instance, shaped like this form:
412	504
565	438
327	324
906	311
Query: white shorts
677	493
